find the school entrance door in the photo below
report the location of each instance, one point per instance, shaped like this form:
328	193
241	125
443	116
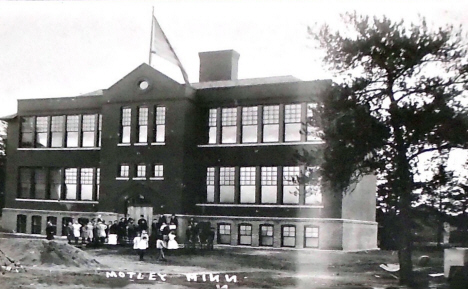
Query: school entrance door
135	212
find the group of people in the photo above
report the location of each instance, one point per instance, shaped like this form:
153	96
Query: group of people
163	235
94	231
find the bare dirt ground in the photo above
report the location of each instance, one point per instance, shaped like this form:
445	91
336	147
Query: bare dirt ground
55	264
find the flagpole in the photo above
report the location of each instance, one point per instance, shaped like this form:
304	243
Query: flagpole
151	38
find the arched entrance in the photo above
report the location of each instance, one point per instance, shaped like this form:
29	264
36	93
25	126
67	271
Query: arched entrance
138	200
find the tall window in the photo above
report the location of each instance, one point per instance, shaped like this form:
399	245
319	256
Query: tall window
25	184
266	235
57	129
71	189
86	181
160	127
311	237
288	236
158	171
141	171
269	185
271	123
224	234
226	185
143	125
98	182
313	191
42	126
245	234
247	185
312	131
27	131
229	125
21	223
55	183
210	185
290	185
126	125
89	130
99	130
249	124
124	171
36	225
73	123
40	176
212	122
292	122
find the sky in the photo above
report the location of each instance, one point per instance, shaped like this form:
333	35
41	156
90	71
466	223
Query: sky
67	48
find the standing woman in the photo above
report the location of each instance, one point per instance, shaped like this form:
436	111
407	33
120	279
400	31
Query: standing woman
89	232
142	243
160	245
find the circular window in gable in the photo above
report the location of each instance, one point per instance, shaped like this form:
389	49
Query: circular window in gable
143	85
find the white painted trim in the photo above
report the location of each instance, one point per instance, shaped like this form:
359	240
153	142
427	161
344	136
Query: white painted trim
122	179
62	149
139	178
261	144
261	206
56	201
124	144
140	144
59	212
158	143
157	178
282	218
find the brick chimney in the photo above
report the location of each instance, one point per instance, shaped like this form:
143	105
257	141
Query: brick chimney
218	65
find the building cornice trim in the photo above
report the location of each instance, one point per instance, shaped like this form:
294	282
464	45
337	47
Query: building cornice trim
261	144
262	206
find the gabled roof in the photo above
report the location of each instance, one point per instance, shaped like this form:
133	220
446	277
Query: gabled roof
9	117
96	92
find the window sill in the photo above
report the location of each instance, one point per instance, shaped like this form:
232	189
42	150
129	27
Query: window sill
121	179
158	143
61	149
124	144
315	142
260	205
157	178
139	179
56	201
140	144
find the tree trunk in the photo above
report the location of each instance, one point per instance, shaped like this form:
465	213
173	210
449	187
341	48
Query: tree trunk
405	243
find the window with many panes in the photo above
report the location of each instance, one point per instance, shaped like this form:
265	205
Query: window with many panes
271	123
21	223
210	185
269	190
99	130
42	127
290	185
27	132
86	180
72	135
57	127
229	125
247	184
40	176
313	132
142	124
226	185
98	182
55	185
141	171
224	234
212	123
36	223
313	192
288	236
124	171
71	188
158	171
311	237
88	131
292	122
25	183
249	124
245	234
160	126
266	235
126	120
